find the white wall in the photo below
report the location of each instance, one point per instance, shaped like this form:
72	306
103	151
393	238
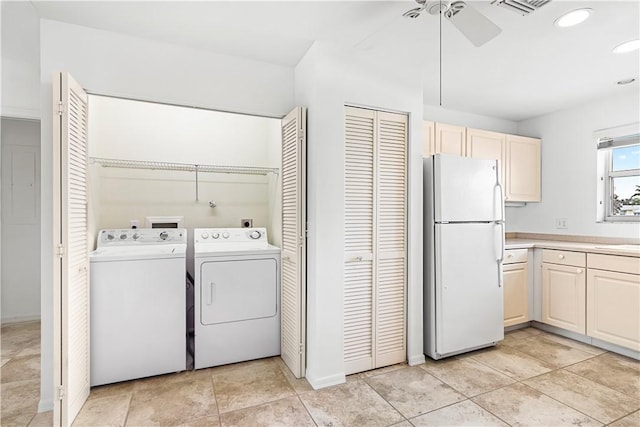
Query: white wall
460	118
20	60
20	285
116	64
569	177
327	79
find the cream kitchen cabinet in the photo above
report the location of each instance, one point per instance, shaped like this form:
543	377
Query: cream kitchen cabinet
522	169
429	139
518	156
450	139
613	299
564	289
515	287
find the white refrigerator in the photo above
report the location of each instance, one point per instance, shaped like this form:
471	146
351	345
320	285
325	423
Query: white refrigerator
463	252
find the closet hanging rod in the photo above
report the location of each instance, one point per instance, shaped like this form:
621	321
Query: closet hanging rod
139	164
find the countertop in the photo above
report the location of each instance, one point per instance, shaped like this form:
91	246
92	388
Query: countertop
599	248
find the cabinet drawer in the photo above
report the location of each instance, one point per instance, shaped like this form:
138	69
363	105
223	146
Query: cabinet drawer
512	256
577	259
623	264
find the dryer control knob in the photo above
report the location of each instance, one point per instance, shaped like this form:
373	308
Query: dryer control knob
135	236
255	234
110	237
123	236
164	235
215	235
225	235
205	235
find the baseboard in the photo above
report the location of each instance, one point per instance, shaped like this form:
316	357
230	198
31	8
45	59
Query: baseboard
587	340
322	382
418	359
18	319
45	405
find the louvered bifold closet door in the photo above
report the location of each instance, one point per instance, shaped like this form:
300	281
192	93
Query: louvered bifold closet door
293	259
391	238
358	239
72	251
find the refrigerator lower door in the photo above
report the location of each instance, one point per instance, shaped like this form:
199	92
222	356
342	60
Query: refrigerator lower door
468	287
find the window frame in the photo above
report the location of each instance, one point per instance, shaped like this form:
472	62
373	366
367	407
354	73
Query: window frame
605	148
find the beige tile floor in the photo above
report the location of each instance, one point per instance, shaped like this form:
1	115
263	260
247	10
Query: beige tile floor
533	378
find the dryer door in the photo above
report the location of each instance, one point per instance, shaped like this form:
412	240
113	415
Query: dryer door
236	290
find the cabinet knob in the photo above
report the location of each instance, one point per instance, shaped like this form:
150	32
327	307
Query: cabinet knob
579	271
561	256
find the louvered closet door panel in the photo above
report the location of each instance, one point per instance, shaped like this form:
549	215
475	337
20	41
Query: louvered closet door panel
359	238
293	242
72	233
390	304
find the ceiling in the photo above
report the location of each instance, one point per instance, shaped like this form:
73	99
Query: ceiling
531	68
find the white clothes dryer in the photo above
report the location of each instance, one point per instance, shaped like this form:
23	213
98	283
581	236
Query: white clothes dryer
237	296
138	304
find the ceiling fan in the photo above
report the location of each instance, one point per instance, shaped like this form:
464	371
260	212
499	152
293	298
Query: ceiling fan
472	24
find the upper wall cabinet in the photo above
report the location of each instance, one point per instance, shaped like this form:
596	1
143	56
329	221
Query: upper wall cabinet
518	156
522	169
450	139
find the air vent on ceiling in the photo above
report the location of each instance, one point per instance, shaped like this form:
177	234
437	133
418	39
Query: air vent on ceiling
523	7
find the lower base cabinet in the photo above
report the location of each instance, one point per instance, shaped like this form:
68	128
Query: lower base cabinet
516	305
564	297
613	307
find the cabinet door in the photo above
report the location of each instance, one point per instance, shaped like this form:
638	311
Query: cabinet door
522	169
429	139
564	297
482	144
516	306
450	139
613	307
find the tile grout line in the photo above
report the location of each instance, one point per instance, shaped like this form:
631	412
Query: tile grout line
213	389
386	401
126	415
313	420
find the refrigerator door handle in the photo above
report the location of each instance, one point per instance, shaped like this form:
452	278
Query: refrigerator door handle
499	200
500	255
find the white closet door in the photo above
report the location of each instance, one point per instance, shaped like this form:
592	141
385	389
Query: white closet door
390	301
71	264
293	283
359	232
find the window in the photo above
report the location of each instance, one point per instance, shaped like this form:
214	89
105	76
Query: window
619	176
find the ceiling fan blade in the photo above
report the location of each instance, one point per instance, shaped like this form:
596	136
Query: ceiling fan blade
475	26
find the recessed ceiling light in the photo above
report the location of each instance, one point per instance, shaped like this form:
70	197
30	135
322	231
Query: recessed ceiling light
629	46
626	81
572	18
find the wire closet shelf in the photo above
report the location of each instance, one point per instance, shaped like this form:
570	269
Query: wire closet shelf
186	167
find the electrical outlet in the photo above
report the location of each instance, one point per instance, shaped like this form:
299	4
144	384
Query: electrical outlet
246	223
562	223
134	223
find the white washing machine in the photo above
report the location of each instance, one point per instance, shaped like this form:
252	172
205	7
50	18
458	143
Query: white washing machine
237	296
138	304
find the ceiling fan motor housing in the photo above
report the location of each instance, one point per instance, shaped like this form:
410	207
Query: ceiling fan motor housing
437	7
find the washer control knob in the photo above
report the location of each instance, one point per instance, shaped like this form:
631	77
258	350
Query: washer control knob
215	235
255	234
110	237
123	236
164	235
205	235
225	234
135	236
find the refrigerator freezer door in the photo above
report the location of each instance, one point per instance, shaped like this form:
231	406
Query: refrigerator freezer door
466	189
468	287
